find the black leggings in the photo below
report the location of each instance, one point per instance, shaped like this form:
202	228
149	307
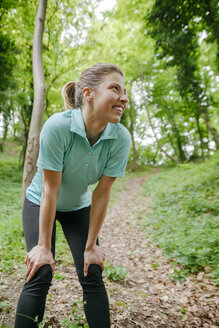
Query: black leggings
32	300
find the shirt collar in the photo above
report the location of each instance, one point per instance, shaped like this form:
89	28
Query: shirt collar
77	126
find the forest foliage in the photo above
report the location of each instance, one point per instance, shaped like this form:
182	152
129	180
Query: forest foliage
167	49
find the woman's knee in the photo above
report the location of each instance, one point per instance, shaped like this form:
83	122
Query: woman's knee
93	280
41	281
44	273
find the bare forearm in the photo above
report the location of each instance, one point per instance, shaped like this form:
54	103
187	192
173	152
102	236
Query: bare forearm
97	215
47	216
41	254
93	253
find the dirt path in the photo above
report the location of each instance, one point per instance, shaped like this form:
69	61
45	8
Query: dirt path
147	298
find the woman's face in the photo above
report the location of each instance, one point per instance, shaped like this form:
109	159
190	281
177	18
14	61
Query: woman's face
110	99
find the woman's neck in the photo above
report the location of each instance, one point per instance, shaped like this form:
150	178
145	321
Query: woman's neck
93	126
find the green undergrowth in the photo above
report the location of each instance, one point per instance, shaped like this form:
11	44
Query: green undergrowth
117	273
12	247
184	215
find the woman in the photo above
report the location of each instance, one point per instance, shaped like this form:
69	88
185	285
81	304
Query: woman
77	148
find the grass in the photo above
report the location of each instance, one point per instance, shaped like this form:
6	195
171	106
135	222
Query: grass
12	247
184	215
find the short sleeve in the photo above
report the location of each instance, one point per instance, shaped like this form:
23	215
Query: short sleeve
119	154
51	153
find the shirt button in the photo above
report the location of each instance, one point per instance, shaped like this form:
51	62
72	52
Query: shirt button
86	164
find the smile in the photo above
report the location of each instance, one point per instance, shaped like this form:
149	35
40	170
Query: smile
119	109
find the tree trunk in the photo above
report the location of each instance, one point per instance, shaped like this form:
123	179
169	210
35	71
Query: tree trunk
134	162
204	112
5	133
211	129
181	153
213	23
24	138
182	156
157	140
39	97
169	135
152	127
200	135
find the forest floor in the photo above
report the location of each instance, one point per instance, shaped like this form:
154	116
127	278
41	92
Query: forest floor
147	297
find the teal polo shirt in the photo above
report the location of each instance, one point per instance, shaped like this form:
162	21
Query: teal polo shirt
64	147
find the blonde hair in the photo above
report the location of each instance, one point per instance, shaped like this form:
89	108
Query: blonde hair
90	78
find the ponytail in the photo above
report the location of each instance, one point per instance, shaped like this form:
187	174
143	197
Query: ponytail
68	94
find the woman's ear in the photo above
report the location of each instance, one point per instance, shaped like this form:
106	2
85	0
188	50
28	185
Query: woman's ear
87	94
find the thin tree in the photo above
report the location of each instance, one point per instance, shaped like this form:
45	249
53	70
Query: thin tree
39	97
155	136
159	145
132	117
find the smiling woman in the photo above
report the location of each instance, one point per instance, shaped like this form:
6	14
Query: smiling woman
79	147
101	92
108	100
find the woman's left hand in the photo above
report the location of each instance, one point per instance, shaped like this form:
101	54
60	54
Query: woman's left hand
93	255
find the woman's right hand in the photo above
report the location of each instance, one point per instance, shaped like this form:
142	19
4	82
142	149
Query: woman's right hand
37	257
